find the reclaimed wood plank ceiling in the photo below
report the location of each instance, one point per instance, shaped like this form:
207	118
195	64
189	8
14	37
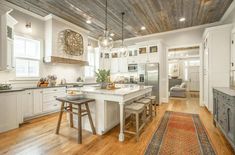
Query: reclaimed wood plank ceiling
156	15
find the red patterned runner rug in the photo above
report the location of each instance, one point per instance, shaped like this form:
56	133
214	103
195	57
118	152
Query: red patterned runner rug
180	134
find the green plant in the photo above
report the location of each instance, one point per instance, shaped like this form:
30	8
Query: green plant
102	75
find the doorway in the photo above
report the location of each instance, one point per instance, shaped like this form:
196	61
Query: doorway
184	66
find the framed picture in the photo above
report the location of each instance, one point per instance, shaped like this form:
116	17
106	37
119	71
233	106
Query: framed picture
142	50
106	55
101	55
153	49
130	53
115	55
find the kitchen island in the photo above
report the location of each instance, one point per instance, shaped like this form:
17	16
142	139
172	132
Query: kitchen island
108	110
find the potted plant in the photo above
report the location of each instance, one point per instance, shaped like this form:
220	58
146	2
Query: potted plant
102	77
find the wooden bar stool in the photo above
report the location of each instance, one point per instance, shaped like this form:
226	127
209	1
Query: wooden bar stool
154	103
136	109
76	105
147	103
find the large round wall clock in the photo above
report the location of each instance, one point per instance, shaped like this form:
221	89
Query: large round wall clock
71	42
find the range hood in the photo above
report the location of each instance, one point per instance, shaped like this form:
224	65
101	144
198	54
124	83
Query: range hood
53	54
56	59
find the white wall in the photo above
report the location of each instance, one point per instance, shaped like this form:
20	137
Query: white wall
231	18
171	39
67	71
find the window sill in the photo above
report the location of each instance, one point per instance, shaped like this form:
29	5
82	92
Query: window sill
26	79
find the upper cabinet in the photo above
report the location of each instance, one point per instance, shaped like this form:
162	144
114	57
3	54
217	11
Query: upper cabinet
6	39
64	41
144	52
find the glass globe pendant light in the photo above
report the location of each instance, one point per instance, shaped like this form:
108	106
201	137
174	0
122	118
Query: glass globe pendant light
123	48
105	41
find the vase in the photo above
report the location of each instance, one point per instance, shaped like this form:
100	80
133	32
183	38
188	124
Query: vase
103	85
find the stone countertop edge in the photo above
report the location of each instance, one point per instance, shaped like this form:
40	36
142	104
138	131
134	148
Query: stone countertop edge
226	90
26	88
112	93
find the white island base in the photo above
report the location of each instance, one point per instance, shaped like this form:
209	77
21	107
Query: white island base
108	109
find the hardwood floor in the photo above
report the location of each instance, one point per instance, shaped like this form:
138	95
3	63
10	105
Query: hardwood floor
38	136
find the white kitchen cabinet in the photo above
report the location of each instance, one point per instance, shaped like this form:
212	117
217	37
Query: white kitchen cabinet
153	57
6	39
216	63
27	103
10	111
119	65
123	66
37	101
105	63
50	103
114	68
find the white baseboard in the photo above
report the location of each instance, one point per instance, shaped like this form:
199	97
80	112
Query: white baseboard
164	100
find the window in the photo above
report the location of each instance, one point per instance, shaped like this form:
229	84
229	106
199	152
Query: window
27	56
93	60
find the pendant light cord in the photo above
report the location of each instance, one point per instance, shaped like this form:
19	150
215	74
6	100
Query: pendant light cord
123	13
106	14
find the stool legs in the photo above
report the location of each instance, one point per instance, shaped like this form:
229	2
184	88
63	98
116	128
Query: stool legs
137	127
151	111
90	119
71	115
79	124
60	117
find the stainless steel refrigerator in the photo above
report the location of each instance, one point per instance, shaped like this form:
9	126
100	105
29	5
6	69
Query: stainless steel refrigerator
152	78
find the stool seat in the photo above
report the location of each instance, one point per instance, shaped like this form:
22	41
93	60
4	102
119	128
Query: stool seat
135	106
151	97
144	101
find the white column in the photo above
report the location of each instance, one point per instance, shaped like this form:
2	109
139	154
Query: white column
121	134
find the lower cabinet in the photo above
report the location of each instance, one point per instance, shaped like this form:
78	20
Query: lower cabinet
27	103
224	114
10	111
38	102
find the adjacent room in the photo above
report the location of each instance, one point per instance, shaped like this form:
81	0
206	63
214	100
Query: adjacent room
117	77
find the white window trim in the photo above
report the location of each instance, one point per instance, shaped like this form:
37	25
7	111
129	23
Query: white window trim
39	60
95	67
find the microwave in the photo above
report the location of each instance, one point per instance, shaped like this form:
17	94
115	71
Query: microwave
132	67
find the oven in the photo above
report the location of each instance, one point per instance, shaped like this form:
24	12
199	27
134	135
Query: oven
132	67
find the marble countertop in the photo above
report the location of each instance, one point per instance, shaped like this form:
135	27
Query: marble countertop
121	91
16	89
226	90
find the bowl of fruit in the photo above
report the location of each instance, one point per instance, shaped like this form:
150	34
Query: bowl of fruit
74	95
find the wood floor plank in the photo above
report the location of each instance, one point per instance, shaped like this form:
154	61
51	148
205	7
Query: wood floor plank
38	136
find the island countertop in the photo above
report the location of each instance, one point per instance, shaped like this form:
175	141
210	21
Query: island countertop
121	90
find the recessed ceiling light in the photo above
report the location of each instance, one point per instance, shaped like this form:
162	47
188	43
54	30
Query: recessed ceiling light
112	34
88	21
182	19
143	28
